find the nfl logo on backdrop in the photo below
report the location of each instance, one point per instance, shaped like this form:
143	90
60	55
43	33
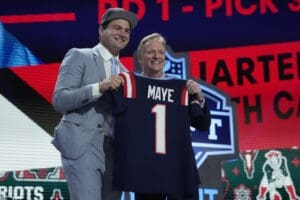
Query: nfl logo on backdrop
220	139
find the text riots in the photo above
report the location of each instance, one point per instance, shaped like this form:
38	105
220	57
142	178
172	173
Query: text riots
22	192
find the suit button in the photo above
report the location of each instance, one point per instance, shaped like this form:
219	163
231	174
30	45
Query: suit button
99	126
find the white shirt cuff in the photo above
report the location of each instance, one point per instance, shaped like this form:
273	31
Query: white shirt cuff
96	91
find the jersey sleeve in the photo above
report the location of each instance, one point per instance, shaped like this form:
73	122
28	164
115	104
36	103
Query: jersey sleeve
127	90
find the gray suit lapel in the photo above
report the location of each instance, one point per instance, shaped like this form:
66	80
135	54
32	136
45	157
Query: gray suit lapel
99	62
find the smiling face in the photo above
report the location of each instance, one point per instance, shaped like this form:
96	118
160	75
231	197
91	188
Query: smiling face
152	57
115	36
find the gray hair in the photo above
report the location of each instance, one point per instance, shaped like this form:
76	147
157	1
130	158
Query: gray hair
146	39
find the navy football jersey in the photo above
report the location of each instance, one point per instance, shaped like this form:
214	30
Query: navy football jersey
153	151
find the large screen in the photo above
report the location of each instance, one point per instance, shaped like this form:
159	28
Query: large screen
249	49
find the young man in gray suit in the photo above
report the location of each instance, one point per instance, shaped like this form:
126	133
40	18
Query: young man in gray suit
84	134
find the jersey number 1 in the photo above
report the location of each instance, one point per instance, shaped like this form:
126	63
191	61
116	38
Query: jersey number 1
159	110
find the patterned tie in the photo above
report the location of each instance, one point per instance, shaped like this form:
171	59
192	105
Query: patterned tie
114	65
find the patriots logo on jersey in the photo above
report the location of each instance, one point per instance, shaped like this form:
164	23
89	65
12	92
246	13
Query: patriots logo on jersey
220	139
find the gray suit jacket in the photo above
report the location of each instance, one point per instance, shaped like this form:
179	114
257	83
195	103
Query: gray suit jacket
83	116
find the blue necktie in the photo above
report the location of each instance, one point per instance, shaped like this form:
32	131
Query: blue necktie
113	71
114	64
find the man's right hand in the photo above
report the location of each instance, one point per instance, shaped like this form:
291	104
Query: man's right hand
111	83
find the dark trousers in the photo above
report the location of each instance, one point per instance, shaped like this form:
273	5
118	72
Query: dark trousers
145	196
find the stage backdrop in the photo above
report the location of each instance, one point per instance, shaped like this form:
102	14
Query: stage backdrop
248	50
